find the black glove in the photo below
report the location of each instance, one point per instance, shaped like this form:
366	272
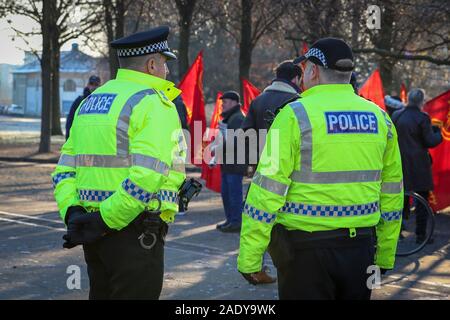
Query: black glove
85	229
73	212
383	271
249	277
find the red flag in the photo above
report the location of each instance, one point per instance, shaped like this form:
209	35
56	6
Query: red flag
302	64
192	94
403	93
439	111
250	93
212	176
373	90
304	48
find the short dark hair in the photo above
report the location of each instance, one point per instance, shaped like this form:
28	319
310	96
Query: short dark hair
287	70
416	97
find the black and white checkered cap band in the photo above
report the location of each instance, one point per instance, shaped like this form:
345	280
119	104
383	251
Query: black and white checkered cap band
152	48
317	53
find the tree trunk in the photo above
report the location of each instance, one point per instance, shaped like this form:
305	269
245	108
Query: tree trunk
185	11
384	41
112	57
245	45
56	108
46	66
115	29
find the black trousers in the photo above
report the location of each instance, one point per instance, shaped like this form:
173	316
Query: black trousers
421	213
321	268
119	268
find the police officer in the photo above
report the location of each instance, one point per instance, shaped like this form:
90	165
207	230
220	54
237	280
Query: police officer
327	194
124	161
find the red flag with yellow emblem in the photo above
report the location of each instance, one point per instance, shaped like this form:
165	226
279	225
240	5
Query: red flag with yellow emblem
439	111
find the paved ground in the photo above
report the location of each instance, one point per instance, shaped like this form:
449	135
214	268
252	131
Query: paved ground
200	261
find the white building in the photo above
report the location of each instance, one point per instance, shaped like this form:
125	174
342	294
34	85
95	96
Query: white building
6	84
75	69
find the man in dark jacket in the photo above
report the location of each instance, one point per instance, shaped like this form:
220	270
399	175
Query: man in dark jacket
232	168
94	83
415	136
285	87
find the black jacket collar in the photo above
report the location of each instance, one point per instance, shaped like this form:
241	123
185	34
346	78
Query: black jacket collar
227	114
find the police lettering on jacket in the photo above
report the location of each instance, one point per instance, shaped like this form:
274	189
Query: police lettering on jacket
351	122
97	104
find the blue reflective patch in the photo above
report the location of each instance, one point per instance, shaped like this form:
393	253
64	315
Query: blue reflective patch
351	122
97	104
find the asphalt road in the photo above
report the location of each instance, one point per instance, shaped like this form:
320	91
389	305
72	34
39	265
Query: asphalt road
200	262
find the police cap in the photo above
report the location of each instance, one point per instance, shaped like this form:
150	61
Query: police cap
330	53
146	42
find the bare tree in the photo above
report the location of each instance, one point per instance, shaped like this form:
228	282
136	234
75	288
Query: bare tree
185	11
247	21
57	27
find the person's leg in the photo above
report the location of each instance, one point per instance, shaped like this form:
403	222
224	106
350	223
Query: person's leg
421	216
225	196
302	271
135	272
98	276
306	277
235	197
351	270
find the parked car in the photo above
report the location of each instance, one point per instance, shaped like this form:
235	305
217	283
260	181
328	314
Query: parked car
3	109
16	110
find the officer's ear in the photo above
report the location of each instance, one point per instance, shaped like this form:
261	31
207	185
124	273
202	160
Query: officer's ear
151	65
315	71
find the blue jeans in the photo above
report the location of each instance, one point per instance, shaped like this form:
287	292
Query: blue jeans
232	197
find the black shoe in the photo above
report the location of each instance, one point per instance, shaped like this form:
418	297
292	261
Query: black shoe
231	228
221	225
421	239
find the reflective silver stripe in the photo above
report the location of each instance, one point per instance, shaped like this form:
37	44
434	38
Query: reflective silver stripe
306	136
102	161
150	163
392	187
336	177
66	160
179	167
330	210
270	184
258	214
123	122
306	175
388	123
94	195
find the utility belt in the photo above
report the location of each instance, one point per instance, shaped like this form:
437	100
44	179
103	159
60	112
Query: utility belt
337	235
284	243
298	239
